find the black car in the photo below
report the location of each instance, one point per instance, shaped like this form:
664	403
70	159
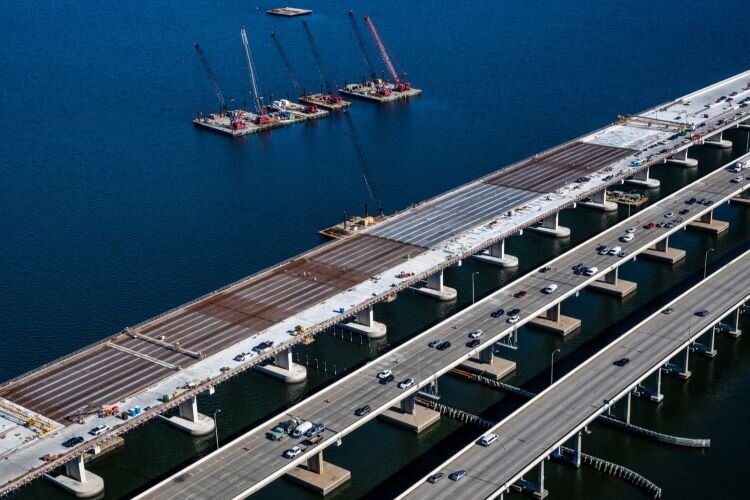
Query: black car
702	313
443	345
72	441
691	201
455	476
621	362
364	410
498	313
390	378
545	269
684	211
514	312
434	343
473	343
435	477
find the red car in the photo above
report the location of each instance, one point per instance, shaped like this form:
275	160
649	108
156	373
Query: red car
520	295
650	225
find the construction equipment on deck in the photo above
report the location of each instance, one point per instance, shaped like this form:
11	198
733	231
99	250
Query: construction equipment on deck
263	118
212	77
318	59
25	418
362	47
287	63
401	85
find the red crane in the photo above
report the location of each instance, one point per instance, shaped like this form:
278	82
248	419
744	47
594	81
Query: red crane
401	86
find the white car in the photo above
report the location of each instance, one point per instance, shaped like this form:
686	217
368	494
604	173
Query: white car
738	179
384	374
592	271
475	334
669	215
631	230
293	452
488	439
615	250
549	288
406	383
627	237
99	429
513	319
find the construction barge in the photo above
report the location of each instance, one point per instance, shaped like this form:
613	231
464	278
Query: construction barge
380	91
326	101
238	123
351	226
289	12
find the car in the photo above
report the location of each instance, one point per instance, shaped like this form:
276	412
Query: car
435	342
668	310
702	313
473	343
691	201
701	201
709	202
475	334
621	362
625	238
455	476
669	215
650	225
69	443
488	439
580	264
738	179
549	288
592	271
293	452
684	211
443	345
615	250
512	319
582	270
520	294
603	250
514	312
435	477
661	224
545	269
405	384
362	410
317	429
384	374
631	230
498	313
240	358
390	378
99	429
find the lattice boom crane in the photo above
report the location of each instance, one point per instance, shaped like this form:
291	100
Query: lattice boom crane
212	77
383	52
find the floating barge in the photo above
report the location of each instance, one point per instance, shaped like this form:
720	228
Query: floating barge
289	12
379	91
325	101
239	123
351	226
623	198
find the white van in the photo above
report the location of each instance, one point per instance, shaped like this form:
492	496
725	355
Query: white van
302	429
549	288
592	271
488	439
615	250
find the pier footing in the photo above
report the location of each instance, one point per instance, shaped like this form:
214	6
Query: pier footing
295	374
421	419
558	232
376	330
324	482
563	326
671	255
621	289
713	227
506	261
77	480
202	425
445	294
498	369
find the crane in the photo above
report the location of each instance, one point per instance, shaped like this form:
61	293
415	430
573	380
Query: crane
361	43
318	59
289	68
257	98
364	165
384	54
212	77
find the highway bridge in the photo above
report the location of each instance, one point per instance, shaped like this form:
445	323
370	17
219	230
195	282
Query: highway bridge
187	350
250	462
529	435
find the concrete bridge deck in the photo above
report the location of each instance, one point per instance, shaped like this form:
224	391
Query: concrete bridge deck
310	290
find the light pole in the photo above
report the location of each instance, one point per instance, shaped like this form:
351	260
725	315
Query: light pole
216	428
472	285
552	367
705	262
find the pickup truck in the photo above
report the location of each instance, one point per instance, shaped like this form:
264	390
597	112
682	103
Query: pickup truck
314	440
276	434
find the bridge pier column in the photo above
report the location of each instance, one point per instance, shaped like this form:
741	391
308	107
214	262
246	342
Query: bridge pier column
411	416
735	332
642	178
496	255
664	253
364	324
718	141
707	223
284	368
190	420
77	480
486	364
550	226
683	360
318	475
611	284
707	348
537	486
681	159
553	321
742	199
577	442
654	394
436	289
627	408
599	201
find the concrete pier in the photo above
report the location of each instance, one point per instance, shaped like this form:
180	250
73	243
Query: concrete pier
496	255
652	393
683	364
599	201
550	227
537	484
189	420
612	285
553	321
707	348
708	224
284	368
643	178
735	331
318	475
436	289
488	365
742	199
364	324
664	253
77	480
717	141
681	159
410	415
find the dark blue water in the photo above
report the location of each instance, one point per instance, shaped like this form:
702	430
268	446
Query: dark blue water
114	208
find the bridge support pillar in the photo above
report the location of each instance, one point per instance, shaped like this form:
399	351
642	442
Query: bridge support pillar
577	450
318	475
364	324
496	255
553	321
735	331
611	284
707	223
550	227
486	364
627	409
664	253
599	201
537	485
654	393
718	141
189	420
708	347
643	178
683	361
77	480
284	368
410	415
436	289
681	159
742	199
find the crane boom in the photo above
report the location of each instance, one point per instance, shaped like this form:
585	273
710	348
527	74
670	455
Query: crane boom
289	68
257	98
316	54
363	161
211	76
361	42
381	48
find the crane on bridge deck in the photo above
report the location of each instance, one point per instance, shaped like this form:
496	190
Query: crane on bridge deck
364	165
401	84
